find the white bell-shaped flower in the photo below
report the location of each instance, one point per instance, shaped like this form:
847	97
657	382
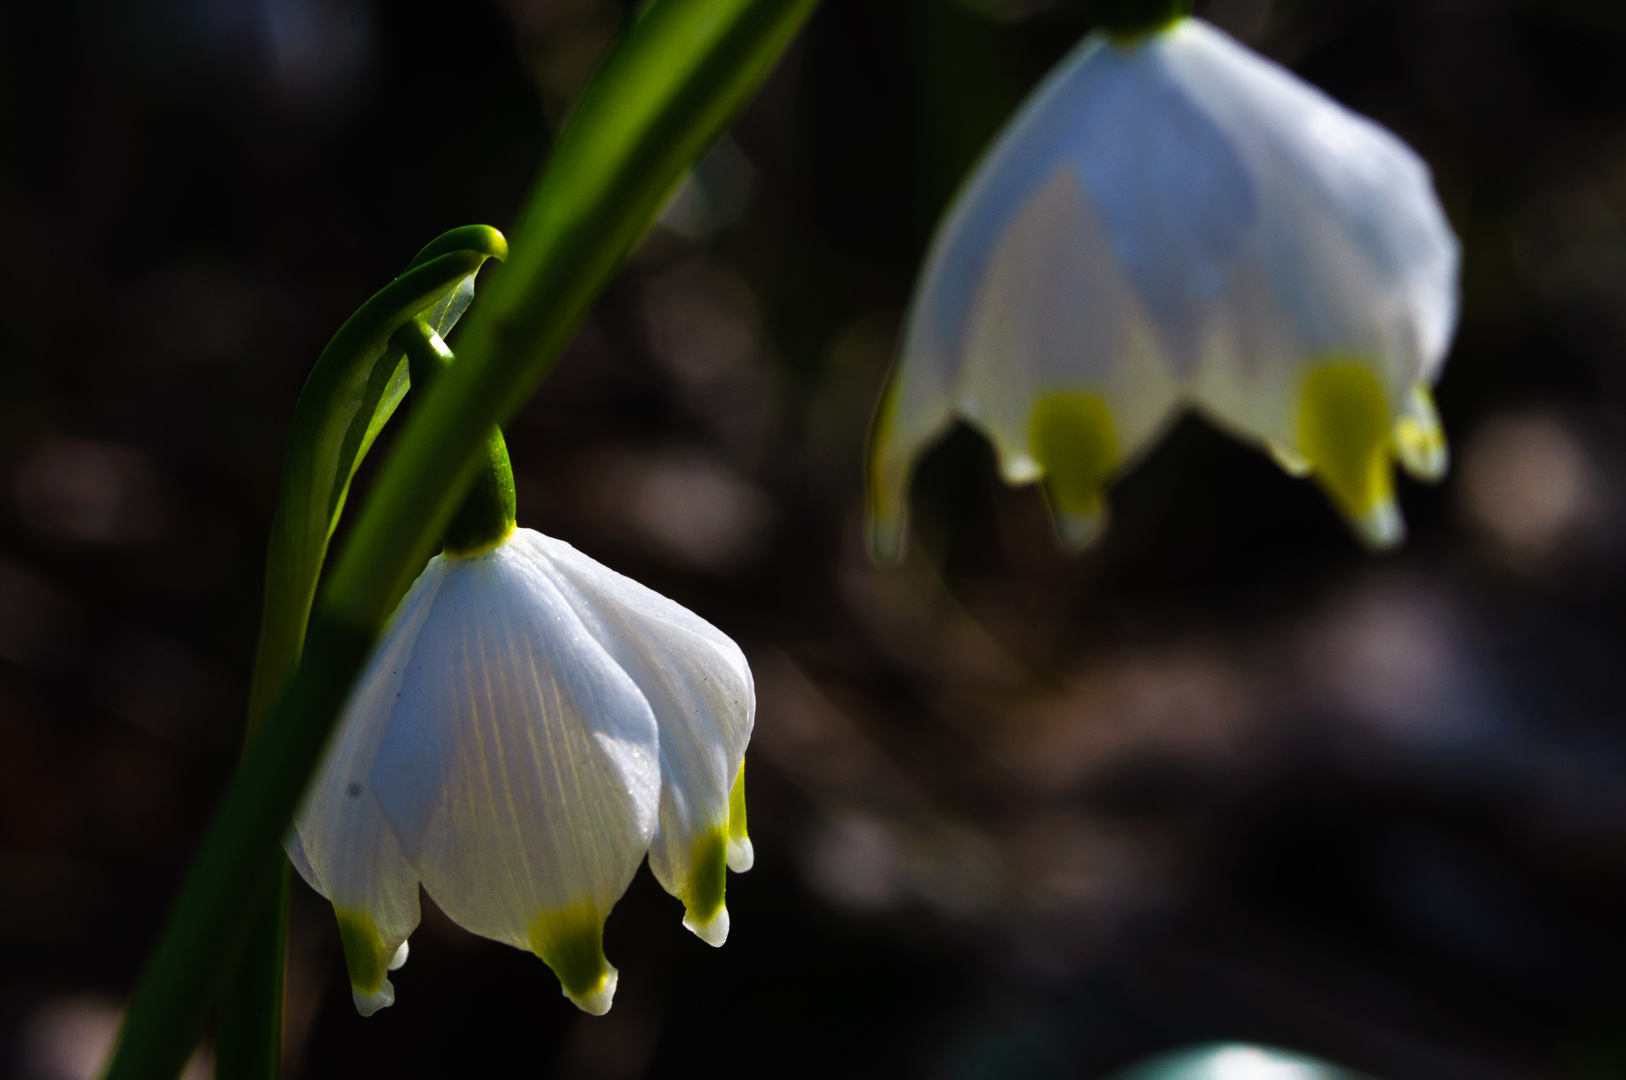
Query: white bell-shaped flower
531	724
1174	220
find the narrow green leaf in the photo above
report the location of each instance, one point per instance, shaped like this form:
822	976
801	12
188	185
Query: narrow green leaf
674	81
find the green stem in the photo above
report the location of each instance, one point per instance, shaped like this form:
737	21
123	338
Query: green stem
1130	20
487	515
679	75
248	1027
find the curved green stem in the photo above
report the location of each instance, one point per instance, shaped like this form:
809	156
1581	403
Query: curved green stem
674	81
486	517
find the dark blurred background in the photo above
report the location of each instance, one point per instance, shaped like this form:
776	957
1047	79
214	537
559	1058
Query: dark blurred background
1016	815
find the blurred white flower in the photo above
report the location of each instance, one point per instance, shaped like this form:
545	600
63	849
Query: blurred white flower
530	725
1232	1061
1172	220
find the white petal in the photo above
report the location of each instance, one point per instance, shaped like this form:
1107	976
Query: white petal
301	862
914	410
1354	256
1021	161
1055	318
521	767
341	842
368	1003
699	685
1288	459
1174	197
741	855
714	931
1420	439
917	406
597	1002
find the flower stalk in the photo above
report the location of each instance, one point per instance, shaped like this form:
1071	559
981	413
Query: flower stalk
488	512
1128	19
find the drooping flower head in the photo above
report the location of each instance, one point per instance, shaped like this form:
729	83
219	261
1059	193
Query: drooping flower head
531	725
1172	220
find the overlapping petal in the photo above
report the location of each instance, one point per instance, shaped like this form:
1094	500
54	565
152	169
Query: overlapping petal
531	726
698	684
341	842
520	768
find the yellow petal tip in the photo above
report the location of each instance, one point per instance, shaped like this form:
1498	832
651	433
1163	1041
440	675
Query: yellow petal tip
571	942
1381	528
1078	532
1420	439
741	855
1345	433
367	959
703	910
1075	442
597	1001
713	932
1289	460
368	1003
886	539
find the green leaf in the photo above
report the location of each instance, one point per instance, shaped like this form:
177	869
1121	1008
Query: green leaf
680	73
